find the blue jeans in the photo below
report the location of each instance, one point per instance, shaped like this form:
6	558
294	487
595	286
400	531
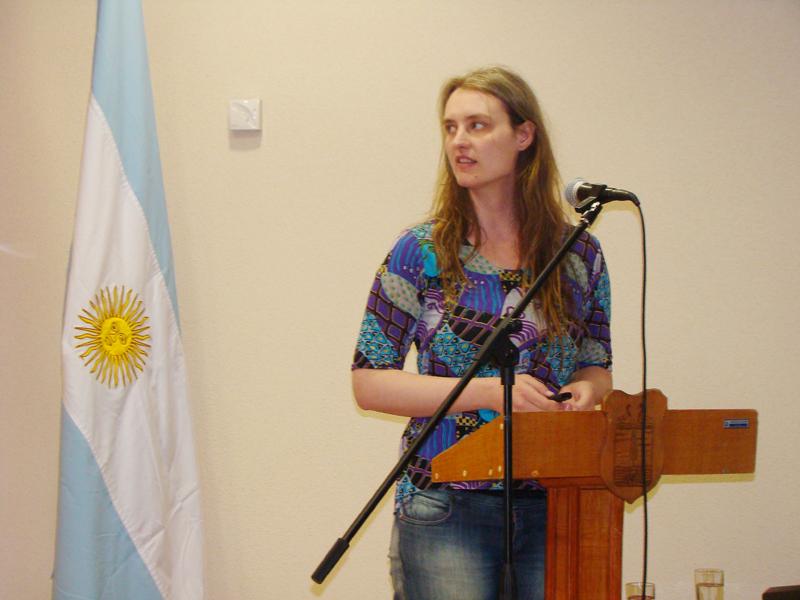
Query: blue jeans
449	545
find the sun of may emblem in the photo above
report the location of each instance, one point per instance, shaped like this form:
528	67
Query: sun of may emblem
114	339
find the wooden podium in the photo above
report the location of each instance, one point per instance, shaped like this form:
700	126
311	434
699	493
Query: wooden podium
590	463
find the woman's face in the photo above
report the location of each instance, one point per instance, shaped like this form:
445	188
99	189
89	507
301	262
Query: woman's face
480	142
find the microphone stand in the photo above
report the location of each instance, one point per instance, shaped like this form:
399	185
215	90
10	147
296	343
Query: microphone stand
506	356
498	346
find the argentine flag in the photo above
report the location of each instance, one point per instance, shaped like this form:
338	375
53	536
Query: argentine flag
129	525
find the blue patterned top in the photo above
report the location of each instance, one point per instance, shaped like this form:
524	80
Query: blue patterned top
406	304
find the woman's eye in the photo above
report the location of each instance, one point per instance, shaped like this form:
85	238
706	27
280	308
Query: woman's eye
478	125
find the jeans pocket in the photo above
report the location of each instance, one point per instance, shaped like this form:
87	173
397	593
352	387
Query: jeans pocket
428	507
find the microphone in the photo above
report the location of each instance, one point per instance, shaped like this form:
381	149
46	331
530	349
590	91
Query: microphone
581	194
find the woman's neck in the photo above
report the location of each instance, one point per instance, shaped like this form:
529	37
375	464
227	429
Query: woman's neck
499	228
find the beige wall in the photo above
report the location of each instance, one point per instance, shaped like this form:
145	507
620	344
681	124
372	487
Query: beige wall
693	105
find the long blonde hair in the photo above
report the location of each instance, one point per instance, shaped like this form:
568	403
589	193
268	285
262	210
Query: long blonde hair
539	211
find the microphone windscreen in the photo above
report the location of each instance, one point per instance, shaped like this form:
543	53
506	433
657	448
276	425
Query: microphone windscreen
571	191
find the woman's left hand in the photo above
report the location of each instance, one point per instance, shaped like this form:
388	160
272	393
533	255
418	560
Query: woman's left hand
588	388
583	395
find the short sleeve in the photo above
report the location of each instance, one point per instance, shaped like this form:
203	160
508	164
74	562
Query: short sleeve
595	346
393	307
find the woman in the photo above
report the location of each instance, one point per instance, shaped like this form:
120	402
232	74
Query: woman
496	221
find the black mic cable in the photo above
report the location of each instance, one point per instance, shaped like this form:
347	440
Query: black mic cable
581	195
645	541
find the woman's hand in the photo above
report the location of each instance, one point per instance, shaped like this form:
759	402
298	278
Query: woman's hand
583	395
588	388
530	395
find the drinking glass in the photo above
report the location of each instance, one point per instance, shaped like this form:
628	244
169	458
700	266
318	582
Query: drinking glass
636	590
708	584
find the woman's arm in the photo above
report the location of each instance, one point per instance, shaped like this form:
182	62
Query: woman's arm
411	395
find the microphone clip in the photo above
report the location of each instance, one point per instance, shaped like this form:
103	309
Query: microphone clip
595	195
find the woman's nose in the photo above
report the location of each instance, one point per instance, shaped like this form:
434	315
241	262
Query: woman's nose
460	137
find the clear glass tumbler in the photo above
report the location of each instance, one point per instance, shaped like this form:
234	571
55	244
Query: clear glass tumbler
636	590
708	584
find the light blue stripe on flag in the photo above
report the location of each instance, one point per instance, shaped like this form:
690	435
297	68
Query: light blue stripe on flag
127	103
95	557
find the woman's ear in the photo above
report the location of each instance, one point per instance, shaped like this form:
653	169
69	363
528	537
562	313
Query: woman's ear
526	133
